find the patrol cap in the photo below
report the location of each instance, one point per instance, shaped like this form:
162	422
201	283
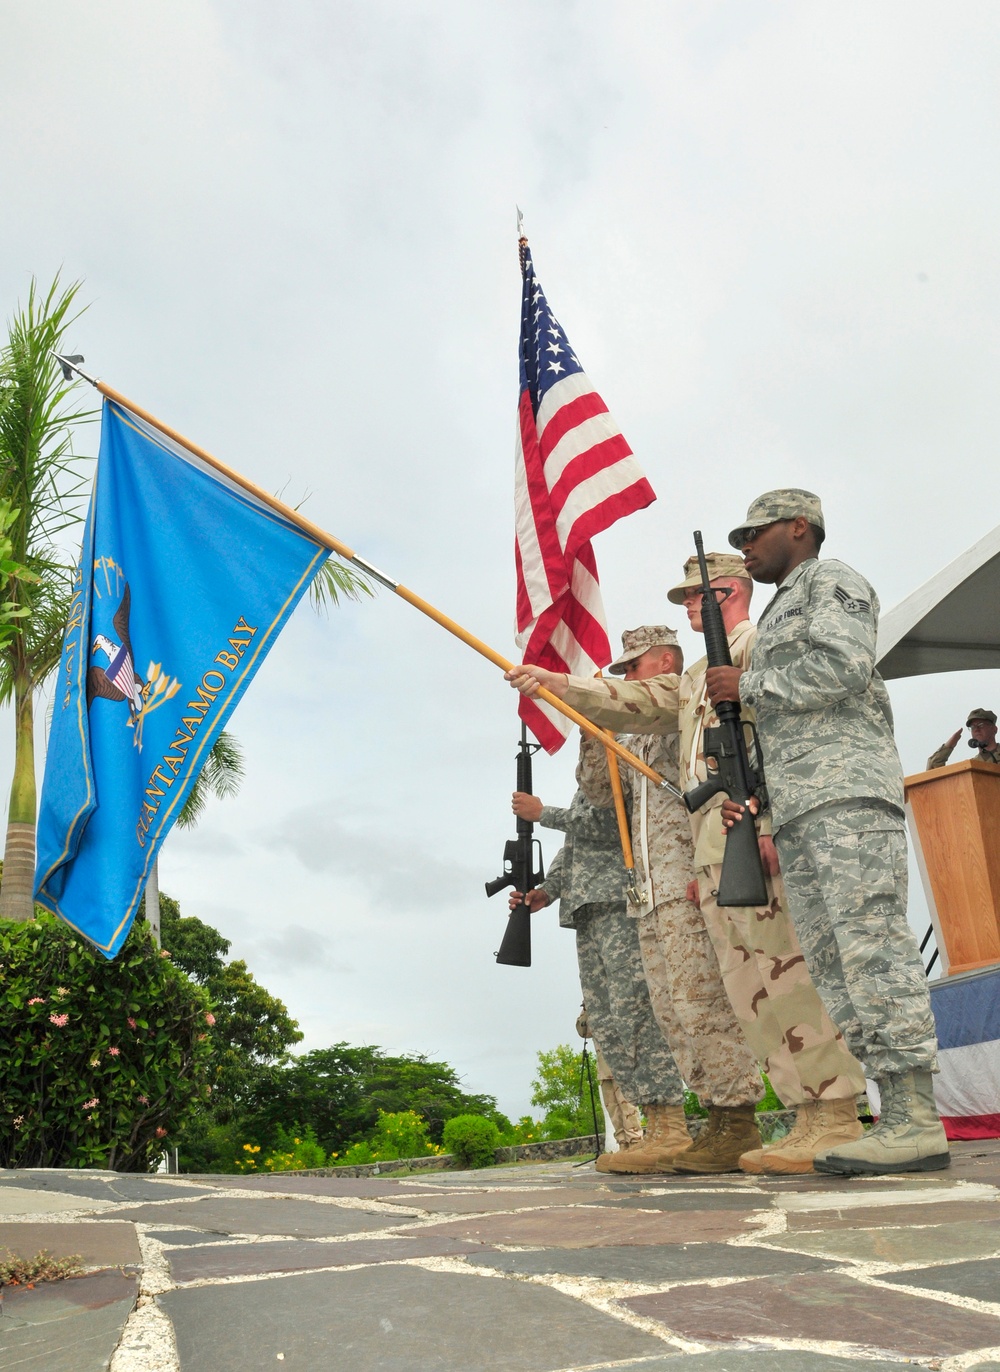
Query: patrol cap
635	642
788	503
718	564
987	717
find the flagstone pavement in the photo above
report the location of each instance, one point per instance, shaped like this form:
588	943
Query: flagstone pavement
539	1268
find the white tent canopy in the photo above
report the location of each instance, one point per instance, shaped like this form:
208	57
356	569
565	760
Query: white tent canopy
952	623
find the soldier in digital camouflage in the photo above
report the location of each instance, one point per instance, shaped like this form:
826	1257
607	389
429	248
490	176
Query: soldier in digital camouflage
982	725
836	791
681	965
587	877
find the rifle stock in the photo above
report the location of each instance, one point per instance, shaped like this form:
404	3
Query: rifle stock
728	760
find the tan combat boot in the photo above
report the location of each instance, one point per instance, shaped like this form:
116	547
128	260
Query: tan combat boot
730	1132
666	1136
633	1146
909	1136
819	1125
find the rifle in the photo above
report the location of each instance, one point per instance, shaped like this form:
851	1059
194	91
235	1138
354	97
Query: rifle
519	870
728	760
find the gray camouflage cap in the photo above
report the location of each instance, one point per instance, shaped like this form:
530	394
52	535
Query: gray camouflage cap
788	503
987	716
635	642
720	565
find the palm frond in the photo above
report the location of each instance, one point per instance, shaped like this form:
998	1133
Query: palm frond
222	776
335	579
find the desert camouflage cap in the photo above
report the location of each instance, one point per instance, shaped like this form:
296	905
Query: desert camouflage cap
987	716
788	503
635	642
718	564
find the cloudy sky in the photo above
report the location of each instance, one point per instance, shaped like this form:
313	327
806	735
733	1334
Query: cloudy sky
769	230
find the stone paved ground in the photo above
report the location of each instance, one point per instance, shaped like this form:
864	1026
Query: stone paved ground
542	1268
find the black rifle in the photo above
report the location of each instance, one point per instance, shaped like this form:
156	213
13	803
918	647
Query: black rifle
519	870
729	766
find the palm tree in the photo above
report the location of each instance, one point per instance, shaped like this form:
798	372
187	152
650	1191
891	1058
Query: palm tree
40	479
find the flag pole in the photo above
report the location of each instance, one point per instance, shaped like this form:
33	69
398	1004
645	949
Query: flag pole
70	364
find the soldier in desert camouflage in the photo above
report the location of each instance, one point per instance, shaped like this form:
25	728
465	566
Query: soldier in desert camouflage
681	966
836	790
626	1122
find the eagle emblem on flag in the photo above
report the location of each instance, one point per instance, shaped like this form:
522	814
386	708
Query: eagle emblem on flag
116	678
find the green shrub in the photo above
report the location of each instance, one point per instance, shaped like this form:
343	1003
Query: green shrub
472	1140
398	1134
102	1062
293	1151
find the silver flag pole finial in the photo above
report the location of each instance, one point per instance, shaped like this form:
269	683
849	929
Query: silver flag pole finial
70	366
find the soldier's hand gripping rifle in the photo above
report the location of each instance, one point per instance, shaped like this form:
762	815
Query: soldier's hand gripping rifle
728	761
520	870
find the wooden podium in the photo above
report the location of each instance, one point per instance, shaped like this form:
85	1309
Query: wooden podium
954	818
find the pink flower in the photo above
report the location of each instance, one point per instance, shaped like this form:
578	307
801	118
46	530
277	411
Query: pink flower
143	1100
164	953
19	1121
37	1000
62	990
89	1104
60	1021
113	1052
161	1133
131	1022
202	1037
209	1018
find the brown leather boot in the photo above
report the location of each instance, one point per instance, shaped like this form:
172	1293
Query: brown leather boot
730	1132
632	1146
666	1136
819	1124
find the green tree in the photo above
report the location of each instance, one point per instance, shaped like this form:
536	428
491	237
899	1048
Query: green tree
39	480
250	1033
562	1091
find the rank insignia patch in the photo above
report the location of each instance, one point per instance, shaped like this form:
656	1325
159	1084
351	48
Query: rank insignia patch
852	604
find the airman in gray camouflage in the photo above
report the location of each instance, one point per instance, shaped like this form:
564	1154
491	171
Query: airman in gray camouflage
982	725
587	877
836	790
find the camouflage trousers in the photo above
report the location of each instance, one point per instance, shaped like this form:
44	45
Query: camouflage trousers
779	1010
844	866
619	1013
691	1005
624	1116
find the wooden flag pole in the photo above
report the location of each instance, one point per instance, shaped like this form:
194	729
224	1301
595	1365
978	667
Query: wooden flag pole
326	540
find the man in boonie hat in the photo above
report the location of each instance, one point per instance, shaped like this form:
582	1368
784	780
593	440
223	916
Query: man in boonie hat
982	725
836	792
680	963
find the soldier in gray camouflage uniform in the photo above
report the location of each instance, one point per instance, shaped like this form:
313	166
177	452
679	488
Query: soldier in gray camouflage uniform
836	792
982	724
587	877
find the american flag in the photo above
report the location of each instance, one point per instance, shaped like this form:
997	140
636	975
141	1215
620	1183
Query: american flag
574	476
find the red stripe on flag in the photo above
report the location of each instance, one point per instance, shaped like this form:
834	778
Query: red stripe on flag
571	414
608	512
966	1126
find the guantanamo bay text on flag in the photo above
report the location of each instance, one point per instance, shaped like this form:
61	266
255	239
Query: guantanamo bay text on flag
185	581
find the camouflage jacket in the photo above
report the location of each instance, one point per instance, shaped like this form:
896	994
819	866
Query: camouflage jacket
589	868
661	836
823	712
940	758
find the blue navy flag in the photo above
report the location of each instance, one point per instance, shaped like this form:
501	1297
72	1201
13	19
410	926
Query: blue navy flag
185	581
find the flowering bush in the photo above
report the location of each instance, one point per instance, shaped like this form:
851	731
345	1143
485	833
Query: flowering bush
292	1153
403	1134
102	1061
